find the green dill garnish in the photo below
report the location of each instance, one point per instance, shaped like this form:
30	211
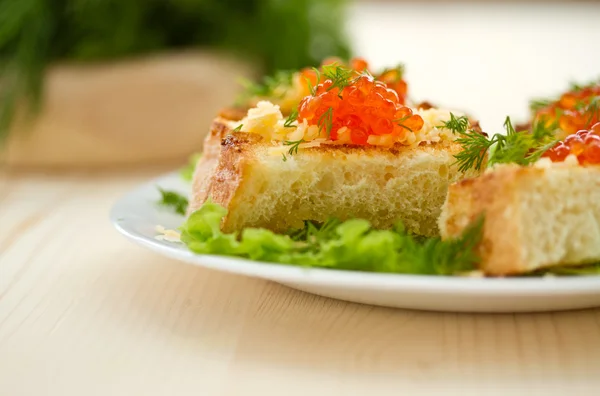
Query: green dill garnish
237	128
314	232
398	72
325	122
317	73
291	118
293	145
522	148
475	147
311	88
284	157
340	76
446	257
593	109
536	105
274	86
539	104
173	200
400	122
576	87
456	124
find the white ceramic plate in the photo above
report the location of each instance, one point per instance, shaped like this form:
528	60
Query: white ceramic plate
136	215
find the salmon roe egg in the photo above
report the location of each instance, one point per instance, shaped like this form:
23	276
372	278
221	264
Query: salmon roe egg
584	144
361	104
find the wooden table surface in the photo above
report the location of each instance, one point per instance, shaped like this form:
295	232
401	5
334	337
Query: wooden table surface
85	312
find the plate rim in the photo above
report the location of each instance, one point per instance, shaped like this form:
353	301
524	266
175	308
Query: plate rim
347	278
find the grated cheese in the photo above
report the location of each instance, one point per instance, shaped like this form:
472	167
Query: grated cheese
167	235
267	120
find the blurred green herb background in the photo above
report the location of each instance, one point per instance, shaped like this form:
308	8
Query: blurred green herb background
275	34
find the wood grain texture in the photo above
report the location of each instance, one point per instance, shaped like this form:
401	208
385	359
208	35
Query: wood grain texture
83	311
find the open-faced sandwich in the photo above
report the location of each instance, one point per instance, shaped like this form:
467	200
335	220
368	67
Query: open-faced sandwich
335	167
542	203
350	148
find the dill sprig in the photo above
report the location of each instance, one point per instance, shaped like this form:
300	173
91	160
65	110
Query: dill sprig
273	86
294	145
522	148
447	257
325	122
475	148
312	88
340	76
313	232
291	118
536	105
457	124
237	128
400	122
172	199
593	109
475	145
397	72
575	87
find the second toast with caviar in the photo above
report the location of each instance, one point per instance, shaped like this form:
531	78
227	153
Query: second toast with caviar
351	149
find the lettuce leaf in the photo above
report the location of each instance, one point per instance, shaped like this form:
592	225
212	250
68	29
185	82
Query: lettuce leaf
350	245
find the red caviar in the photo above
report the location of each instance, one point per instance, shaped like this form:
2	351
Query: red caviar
360	103
575	110
393	78
584	144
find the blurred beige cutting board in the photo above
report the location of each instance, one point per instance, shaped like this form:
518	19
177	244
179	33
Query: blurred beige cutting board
150	110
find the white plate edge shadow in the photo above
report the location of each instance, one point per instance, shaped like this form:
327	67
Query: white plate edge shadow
436	293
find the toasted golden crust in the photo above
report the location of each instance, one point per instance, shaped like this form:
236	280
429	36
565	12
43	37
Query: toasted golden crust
233	165
535	217
219	172
489	194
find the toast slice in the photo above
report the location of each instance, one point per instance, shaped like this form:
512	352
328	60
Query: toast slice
261	185
535	217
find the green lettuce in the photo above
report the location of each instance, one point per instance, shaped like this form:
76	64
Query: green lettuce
349	245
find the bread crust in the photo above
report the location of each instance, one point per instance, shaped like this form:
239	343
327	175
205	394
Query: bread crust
219	173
